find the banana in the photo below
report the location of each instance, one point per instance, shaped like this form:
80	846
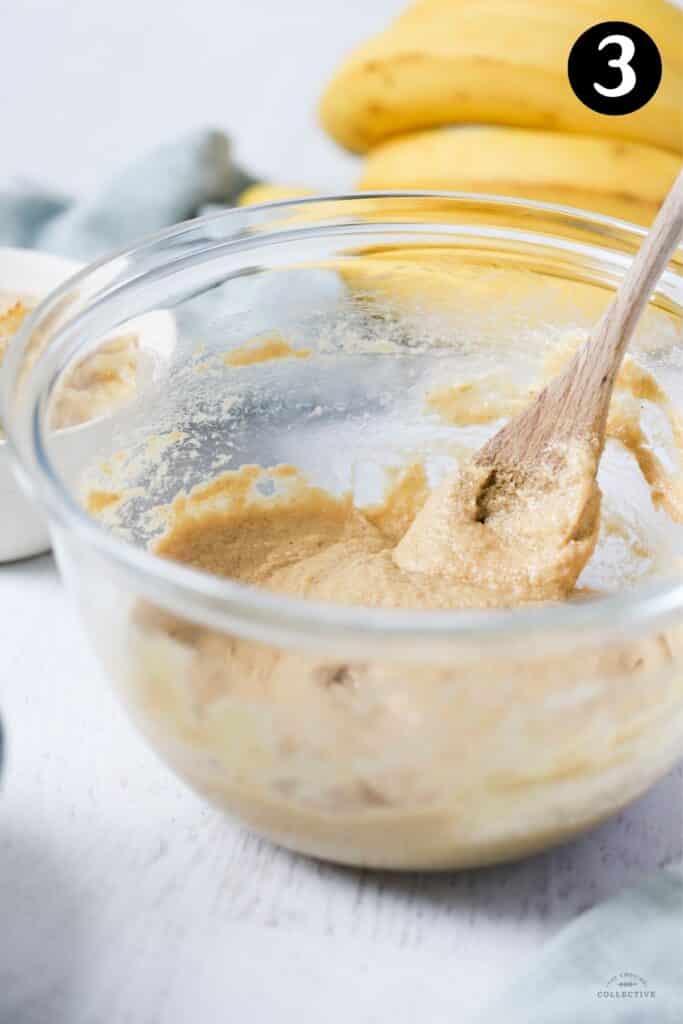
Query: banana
611	176
621	179
264	192
501	62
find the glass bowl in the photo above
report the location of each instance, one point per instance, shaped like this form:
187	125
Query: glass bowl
365	735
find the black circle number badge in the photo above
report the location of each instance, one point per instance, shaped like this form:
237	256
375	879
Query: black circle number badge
615	68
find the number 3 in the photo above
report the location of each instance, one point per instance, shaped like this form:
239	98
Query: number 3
623	62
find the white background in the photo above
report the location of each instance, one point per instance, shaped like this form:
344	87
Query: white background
85	83
122	899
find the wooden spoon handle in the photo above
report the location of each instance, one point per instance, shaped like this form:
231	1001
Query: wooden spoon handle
579	399
613	333
576	404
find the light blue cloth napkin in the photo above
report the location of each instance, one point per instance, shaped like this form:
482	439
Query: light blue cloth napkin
633	943
170	184
619	963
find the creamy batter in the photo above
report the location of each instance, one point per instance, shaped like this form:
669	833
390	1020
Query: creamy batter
475	542
12	313
492	397
532	547
382	761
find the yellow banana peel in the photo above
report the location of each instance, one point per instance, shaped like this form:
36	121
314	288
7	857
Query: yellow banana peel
611	176
265	192
501	62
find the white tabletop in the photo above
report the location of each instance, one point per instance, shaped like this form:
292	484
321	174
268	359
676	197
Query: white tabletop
123	899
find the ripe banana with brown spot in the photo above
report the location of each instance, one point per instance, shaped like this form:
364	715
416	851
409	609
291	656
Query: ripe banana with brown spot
622	179
501	62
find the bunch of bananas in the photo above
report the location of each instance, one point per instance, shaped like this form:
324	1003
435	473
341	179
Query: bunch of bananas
473	95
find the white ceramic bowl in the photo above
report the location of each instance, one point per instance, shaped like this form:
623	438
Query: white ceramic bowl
23	529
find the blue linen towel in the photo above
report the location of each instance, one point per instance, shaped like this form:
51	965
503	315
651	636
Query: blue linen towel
631	944
172	183
619	963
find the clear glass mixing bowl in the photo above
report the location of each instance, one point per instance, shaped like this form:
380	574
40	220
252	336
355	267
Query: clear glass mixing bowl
402	739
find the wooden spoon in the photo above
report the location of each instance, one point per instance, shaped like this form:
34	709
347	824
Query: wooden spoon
576	404
519	522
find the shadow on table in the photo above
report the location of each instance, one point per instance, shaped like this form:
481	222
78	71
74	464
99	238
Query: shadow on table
40	565
41	945
553	887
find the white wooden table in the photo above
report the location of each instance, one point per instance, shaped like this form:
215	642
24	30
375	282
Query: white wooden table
123	900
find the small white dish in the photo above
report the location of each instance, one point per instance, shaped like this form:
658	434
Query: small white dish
33	275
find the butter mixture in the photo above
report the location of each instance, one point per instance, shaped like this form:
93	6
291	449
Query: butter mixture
311	545
392	762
